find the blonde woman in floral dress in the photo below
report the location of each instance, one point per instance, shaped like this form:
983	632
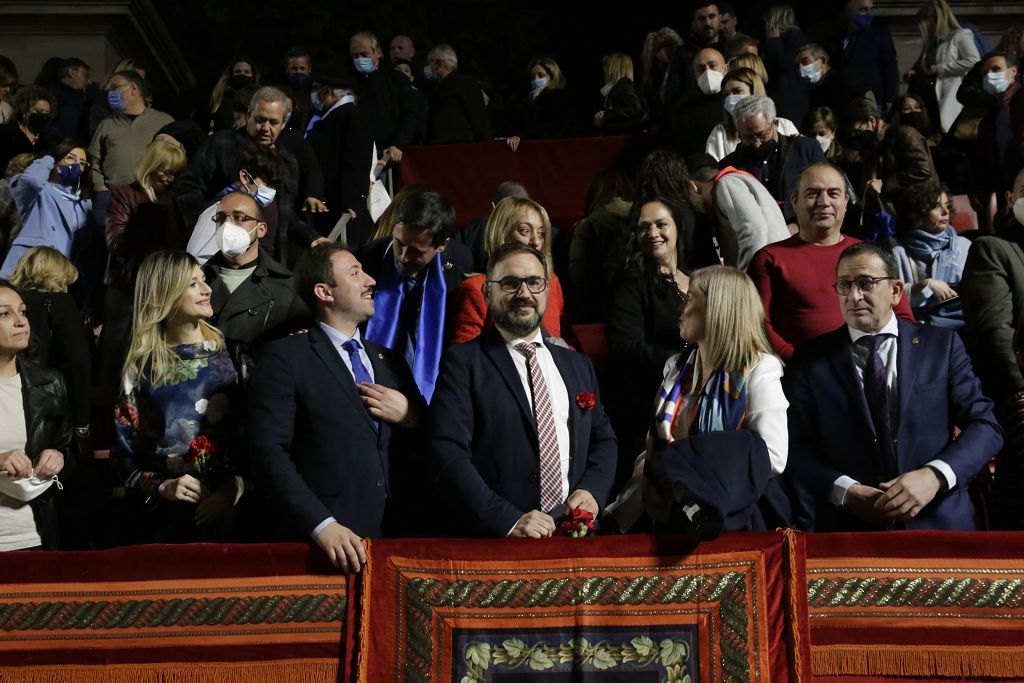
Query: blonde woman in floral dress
178	414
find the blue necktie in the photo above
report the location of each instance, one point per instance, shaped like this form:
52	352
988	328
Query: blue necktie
358	369
876	392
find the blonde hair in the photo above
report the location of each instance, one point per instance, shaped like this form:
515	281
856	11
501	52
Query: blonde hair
163	278
158	155
939	14
749	61
779	16
44	269
551	67
654	41
733	317
616	67
506	216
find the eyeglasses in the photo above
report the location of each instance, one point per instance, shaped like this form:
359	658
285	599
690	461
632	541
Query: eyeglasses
72	159
236	217
863	282
511	285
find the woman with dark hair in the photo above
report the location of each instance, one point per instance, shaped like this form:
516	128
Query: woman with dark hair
642	328
34	108
931	255
240	73
53	192
35	434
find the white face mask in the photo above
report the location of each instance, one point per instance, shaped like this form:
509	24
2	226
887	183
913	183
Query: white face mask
825	141
26	488
710	82
232	240
810	73
731	101
1018	210
995	83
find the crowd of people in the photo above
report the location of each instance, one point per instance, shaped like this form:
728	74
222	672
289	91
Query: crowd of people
272	348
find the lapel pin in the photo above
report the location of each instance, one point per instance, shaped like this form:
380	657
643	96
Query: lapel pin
380	356
915	340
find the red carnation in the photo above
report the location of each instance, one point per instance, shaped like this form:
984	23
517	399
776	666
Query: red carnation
576	523
586	400
200	451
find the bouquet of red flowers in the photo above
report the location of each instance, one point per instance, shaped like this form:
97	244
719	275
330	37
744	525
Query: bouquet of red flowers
201	456
576	523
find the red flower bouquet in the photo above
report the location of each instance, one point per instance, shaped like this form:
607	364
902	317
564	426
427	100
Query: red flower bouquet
201	455
576	523
586	400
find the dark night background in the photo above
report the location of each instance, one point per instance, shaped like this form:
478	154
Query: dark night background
494	39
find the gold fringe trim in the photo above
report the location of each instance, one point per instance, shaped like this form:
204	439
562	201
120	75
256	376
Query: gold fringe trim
282	671
916	660
363	592
796	591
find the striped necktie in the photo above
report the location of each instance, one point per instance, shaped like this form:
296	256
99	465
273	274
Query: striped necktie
547	439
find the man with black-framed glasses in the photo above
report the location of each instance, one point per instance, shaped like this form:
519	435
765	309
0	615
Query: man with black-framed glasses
518	435
874	406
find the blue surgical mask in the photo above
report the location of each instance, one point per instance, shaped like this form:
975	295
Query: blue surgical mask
69	175
863	21
299	80
730	102
116	101
428	73
364	65
810	73
995	82
263	194
539	84
314	99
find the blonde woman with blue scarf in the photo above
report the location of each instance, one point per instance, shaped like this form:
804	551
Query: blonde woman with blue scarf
730	383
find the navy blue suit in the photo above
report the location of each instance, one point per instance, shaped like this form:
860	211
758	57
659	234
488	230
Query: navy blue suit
483	436
831	432
313	446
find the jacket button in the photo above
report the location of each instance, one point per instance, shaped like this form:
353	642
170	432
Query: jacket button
532	478
252	311
380	482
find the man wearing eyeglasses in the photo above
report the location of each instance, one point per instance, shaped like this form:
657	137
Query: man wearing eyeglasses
873	410
518	435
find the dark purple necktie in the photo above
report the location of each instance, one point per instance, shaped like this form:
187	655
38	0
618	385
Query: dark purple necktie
877	394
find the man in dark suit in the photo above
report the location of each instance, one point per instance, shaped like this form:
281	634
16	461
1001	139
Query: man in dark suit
415	277
518	434
327	411
458	110
873	408
343	144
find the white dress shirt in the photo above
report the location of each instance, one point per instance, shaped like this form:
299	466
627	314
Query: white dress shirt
888	350
556	390
337	339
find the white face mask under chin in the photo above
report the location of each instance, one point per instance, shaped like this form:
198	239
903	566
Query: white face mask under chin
26	488
1018	210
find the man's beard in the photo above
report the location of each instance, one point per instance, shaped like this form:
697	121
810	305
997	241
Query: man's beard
518	325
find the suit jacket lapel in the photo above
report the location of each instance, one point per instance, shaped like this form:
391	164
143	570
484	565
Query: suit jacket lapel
842	364
907	364
494	347
323	348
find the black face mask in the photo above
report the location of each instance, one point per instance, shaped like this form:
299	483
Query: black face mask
36	122
860	140
915	119
239	81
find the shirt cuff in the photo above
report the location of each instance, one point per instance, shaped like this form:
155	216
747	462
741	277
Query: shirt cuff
946	470
837	496
321	526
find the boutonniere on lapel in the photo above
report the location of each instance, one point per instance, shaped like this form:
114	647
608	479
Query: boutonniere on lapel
586	400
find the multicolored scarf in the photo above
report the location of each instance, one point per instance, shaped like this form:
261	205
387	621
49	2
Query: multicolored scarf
383	327
721	406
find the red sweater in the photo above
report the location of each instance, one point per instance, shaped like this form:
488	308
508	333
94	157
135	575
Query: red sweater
794	279
470	315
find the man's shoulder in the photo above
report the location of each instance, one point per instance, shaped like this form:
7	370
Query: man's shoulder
371	253
781	248
821	347
287	349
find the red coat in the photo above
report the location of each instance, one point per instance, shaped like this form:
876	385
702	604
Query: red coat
470	316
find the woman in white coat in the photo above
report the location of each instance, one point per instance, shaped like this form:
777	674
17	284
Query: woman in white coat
947	53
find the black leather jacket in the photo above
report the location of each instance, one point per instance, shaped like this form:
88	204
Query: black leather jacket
48	425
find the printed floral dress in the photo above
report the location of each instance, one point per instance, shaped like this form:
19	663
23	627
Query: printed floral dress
188	425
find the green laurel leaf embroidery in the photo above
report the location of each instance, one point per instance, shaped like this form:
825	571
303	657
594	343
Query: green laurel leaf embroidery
603	659
539	660
478	654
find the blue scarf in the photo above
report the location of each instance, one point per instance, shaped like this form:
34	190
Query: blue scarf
942	253
383	327
721	406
